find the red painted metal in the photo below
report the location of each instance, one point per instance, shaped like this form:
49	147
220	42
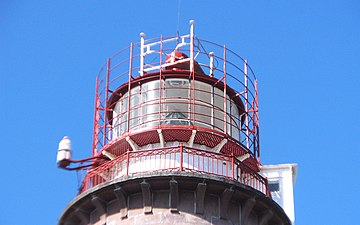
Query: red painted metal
127	162
232	168
257	130
176	134
181	157
192	75
106	97
129	87
92	161
145	137
96	119
225	93
161	81
175	158
119	80
117	147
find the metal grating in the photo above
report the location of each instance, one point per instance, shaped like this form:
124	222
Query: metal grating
119	147
234	148
208	139
146	137
176	135
252	164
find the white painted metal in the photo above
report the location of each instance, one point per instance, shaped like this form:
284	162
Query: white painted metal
64	150
243	157
246	103
192	138
161	137
192	22
162	66
142	54
211	73
133	145
218	147
109	155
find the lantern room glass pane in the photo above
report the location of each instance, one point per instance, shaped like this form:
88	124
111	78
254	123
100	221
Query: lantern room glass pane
149	109
150	97
176	104
218	109
203	114
177	88
176	112
120	117
235	121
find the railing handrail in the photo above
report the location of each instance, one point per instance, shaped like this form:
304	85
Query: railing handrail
119	71
176	158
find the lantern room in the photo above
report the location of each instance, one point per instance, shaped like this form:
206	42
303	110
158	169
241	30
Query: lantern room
177	90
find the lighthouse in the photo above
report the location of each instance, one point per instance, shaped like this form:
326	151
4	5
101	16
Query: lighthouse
176	141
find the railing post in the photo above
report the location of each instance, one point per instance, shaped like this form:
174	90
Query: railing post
129	87
181	157
142	54
192	22
96	118
267	188
225	94
246	91
127	162
232	165
192	73
161	85
211	73
107	82
86	185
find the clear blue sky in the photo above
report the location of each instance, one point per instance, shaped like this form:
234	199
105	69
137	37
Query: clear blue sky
306	55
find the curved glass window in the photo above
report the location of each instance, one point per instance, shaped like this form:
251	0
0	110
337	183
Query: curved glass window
176	118
170	102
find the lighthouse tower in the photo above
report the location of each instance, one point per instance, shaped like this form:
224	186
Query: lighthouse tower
176	141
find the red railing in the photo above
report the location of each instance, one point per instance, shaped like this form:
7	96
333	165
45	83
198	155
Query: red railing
177	158
228	68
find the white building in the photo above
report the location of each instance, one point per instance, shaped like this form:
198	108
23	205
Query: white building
281	179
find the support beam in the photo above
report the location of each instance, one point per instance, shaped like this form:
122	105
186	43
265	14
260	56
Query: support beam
73	219
174	196
246	209
147	197
243	157
122	200
82	215
99	204
192	138
218	147
200	197
225	202
161	137
265	217
133	145
109	155
100	207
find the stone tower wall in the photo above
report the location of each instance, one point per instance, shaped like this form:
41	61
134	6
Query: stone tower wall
173	199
